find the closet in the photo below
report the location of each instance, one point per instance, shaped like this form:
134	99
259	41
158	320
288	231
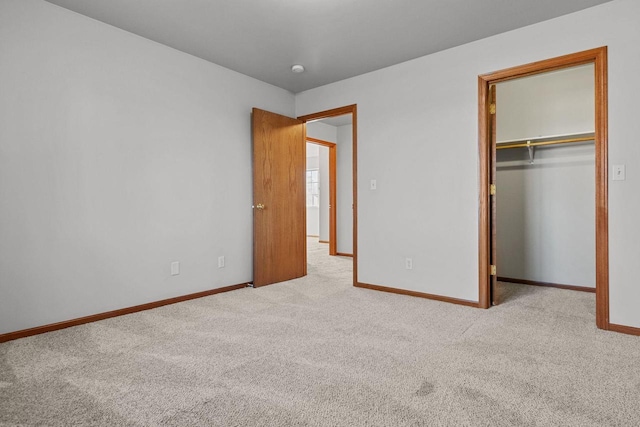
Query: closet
545	179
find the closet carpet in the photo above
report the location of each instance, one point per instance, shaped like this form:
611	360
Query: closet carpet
316	351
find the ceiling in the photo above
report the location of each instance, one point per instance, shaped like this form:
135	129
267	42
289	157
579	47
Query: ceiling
333	39
345	119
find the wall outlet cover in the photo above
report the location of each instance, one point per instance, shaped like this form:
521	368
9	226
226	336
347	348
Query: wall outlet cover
408	264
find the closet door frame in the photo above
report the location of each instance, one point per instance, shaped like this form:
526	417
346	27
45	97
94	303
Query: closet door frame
486	153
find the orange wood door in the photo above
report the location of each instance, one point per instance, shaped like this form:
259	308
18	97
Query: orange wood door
279	198
493	112
333	207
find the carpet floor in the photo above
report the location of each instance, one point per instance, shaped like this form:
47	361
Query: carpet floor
318	352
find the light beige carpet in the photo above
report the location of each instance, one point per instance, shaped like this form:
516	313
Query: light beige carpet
319	352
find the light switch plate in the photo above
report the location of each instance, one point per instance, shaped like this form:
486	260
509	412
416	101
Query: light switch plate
619	173
374	184
175	268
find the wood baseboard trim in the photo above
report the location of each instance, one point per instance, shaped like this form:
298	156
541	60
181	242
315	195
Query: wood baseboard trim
629	330
545	284
344	254
323	241
312	235
417	294
108	314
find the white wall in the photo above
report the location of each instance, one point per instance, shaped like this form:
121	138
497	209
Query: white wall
313	221
555	103
117	156
323	233
322	131
344	198
417	135
546	215
313	216
546	210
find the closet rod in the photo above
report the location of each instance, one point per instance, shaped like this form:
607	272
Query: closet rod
536	144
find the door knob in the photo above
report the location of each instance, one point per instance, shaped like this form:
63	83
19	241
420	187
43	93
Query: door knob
260	206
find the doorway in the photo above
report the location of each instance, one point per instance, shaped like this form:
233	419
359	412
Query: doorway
336	131
279	231
321	191
545	165
488	262
333	138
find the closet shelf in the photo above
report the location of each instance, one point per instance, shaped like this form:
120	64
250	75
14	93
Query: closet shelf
531	143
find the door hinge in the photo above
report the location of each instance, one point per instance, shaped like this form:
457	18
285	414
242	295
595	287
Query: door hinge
494	270
492	108
492	189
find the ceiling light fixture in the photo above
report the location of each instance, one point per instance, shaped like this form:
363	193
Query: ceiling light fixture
297	68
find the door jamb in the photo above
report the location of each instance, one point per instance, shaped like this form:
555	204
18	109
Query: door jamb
598	57
340	111
333	245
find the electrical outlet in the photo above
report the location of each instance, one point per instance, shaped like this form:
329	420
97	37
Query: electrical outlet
221	261
175	268
408	263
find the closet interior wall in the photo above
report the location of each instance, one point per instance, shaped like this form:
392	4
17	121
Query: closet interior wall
546	206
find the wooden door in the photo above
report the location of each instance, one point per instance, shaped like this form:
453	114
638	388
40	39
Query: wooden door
495	296
279	203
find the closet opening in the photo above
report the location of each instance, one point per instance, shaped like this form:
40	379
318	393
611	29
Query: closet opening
543	178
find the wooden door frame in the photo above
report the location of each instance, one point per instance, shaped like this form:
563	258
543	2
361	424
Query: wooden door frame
353	110
493	254
598	57
333	245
